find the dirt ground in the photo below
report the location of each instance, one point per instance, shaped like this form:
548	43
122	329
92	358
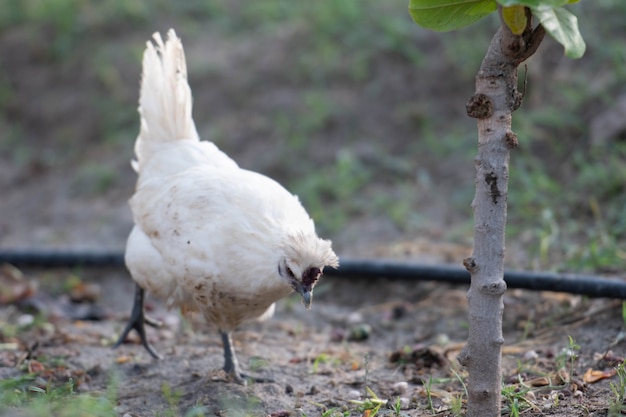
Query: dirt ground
391	337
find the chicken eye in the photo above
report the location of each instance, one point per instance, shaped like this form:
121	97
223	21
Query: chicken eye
285	271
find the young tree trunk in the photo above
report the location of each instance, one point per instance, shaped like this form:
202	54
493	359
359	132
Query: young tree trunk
493	103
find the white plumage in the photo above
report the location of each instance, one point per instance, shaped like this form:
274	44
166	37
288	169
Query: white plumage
209	236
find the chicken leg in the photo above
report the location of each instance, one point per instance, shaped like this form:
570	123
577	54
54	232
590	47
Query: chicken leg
136	321
231	364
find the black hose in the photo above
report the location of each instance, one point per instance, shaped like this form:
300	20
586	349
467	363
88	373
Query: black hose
62	259
592	286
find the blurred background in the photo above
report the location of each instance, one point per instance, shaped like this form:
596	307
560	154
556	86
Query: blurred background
349	104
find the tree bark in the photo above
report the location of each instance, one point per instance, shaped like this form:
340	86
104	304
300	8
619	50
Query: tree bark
493	103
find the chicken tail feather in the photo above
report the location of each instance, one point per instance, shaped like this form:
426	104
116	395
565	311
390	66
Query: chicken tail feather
165	101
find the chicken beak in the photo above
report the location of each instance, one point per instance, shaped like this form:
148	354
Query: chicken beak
307	298
306	293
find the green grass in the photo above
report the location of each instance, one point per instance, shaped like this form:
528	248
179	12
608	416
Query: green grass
29	395
334	193
515	400
371	405
577	217
33	397
618	402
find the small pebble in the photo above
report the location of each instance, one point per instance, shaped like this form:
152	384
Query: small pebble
171	321
355	317
85	292
398	312
531	355
281	413
337	335
442	340
313	390
353	395
83	387
400	387
25	320
360	332
568	353
404	403
167	334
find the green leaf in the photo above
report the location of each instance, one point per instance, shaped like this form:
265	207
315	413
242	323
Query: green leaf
445	15
562	26
515	18
533	3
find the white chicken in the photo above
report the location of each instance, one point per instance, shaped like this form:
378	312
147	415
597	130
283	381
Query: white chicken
209	236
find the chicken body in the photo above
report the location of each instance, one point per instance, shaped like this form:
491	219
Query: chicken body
209	236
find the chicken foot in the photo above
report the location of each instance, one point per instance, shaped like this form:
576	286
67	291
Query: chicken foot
136	321
231	364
